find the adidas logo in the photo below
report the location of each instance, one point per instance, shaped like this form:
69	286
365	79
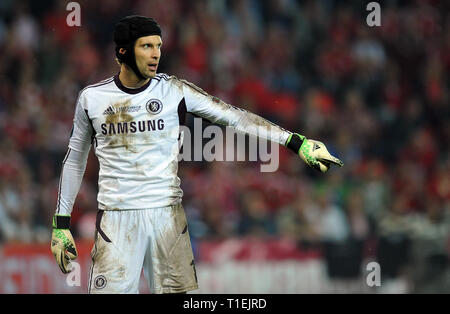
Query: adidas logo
109	111
315	147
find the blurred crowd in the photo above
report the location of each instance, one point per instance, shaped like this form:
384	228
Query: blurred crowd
378	97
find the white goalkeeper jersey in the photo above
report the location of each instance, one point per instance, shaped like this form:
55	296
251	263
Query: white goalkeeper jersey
136	137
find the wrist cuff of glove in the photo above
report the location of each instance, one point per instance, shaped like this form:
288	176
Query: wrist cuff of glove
294	142
61	222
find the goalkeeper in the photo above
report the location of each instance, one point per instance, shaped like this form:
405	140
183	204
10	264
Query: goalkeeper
133	122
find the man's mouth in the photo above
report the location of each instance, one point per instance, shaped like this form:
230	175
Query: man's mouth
152	66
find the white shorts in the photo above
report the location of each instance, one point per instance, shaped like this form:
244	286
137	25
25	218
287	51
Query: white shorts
155	239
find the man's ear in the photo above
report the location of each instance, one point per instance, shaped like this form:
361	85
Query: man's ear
122	51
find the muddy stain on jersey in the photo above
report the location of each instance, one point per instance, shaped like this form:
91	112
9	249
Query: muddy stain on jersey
139	168
120	116
173	167
146	138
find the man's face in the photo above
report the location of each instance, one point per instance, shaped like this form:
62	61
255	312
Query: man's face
148	52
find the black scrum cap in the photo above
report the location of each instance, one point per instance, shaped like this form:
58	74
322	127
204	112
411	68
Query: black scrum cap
127	31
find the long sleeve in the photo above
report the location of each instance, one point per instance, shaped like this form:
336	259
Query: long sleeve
74	163
217	111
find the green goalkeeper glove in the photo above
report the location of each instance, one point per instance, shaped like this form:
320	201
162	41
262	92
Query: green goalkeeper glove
63	246
314	153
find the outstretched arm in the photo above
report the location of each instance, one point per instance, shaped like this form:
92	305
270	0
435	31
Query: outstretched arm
217	111
314	153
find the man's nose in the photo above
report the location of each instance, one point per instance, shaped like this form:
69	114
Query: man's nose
156	54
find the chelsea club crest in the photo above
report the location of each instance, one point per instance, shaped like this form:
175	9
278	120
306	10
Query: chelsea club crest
154	106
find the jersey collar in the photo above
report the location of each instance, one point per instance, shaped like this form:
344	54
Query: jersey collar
130	90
